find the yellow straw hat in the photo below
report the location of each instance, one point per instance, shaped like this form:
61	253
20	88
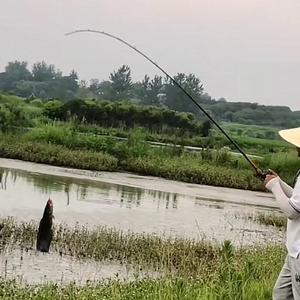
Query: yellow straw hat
291	135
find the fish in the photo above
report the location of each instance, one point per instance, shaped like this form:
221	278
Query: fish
45	231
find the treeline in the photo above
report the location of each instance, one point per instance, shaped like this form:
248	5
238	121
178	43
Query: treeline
46	82
254	114
42	81
126	115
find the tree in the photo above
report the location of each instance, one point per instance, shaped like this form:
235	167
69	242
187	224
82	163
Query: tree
121	83
176	99
102	90
206	127
43	72
14	72
150	89
17	71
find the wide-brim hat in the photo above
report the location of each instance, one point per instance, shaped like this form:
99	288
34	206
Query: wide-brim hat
291	135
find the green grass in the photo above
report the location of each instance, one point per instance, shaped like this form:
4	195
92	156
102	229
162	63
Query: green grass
166	289
194	170
276	220
62	146
14	147
134	155
190	269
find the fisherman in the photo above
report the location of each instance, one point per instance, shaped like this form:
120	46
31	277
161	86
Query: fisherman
45	233
287	286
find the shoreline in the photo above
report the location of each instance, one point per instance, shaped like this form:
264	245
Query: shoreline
204	192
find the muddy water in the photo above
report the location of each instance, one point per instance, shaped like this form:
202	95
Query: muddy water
127	202
37	268
165	207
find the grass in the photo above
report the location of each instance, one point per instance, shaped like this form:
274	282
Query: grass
12	147
134	155
279	221
166	289
62	146
191	269
269	219
194	170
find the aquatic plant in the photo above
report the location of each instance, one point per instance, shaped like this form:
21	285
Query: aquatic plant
168	254
190	269
12	147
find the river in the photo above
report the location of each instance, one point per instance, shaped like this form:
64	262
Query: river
131	202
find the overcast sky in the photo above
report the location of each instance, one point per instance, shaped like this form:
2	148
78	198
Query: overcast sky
243	50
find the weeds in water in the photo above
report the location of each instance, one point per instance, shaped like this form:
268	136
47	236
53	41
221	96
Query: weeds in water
268	219
192	269
275	220
11	147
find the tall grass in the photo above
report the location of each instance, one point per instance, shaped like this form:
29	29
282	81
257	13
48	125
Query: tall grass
63	145
190	269
244	288
12	147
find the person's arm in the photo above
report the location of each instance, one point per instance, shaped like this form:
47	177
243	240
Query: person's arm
288	190
289	205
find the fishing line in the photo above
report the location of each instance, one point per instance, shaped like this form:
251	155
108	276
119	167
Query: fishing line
258	171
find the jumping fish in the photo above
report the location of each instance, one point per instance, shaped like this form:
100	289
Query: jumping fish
45	233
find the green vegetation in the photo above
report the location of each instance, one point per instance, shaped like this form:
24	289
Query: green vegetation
12	147
49	126
166	289
47	82
269	219
279	221
63	145
189	269
79	144
133	155
126	115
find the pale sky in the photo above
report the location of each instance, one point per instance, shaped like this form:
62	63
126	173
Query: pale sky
242	50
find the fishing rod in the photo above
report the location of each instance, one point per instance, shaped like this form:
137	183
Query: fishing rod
258	171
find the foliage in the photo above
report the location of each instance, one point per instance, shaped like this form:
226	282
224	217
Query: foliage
253	114
13	147
125	114
275	220
148	90
12	115
46	82
189	269
176	99
43	72
121	83
194	170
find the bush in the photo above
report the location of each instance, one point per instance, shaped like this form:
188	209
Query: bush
56	155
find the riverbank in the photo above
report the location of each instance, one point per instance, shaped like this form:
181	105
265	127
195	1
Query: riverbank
188	269
217	169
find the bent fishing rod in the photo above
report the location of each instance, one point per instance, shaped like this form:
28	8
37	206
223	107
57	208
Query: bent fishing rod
258	171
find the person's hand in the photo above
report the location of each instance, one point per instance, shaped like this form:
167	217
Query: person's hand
271	172
269	177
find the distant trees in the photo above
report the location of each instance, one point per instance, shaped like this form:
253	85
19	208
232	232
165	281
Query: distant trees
150	89
176	99
14	72
121	83
17	71
44	81
43	72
